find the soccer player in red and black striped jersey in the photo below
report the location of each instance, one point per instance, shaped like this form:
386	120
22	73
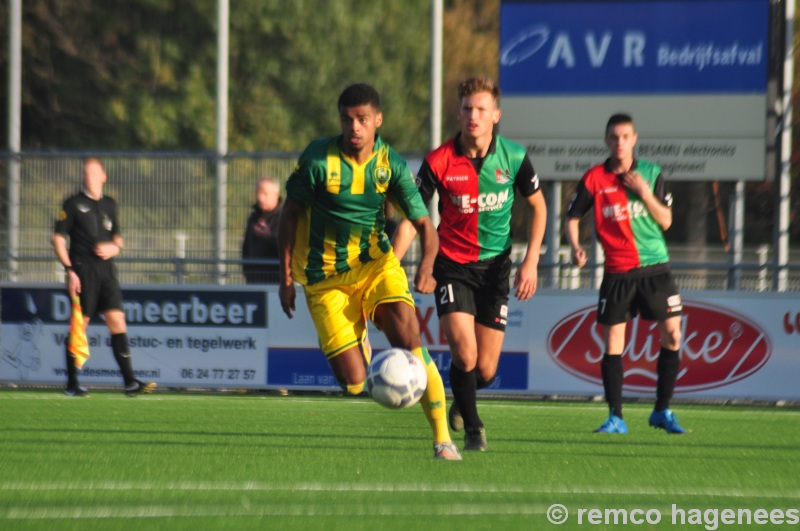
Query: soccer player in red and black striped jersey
632	209
477	175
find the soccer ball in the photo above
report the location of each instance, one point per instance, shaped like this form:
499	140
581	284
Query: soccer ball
396	378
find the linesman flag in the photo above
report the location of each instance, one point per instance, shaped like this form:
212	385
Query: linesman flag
78	344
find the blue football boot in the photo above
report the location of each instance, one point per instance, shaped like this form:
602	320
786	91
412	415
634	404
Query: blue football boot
613	424
666	420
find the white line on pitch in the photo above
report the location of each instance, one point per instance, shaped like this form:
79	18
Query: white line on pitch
255	486
279	509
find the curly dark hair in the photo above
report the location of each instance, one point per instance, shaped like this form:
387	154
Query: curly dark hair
359	94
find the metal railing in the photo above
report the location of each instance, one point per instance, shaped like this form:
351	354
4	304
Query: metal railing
168	213
180	269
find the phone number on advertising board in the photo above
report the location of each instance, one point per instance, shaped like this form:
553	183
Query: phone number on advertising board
218	374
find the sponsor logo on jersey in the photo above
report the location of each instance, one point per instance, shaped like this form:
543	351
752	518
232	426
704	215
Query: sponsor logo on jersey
633	210
463	203
718	347
107	223
84	208
615	212
456	178
484	202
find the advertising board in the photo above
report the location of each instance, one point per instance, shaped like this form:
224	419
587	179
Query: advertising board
735	345
694	75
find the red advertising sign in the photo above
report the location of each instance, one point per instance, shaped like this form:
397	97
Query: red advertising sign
718	347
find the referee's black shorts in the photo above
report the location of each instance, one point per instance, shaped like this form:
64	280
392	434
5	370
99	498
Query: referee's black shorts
648	291
100	289
477	288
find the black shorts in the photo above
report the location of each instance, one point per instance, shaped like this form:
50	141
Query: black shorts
476	288
100	289
650	292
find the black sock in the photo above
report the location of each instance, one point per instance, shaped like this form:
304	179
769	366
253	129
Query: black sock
613	374
72	370
464	384
669	363
483	384
119	346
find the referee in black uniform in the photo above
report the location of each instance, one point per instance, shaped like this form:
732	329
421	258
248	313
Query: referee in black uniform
89	219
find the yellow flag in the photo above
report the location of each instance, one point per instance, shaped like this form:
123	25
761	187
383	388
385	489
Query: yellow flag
78	345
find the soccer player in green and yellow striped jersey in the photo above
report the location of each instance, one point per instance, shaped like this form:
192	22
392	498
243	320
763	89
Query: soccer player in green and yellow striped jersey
332	241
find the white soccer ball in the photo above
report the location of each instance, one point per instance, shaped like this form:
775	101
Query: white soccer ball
396	378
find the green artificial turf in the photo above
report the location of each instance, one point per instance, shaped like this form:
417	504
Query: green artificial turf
184	461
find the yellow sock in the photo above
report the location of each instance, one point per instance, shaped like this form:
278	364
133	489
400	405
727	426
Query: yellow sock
434	401
355	389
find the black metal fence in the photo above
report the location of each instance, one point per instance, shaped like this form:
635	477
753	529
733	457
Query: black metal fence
169	205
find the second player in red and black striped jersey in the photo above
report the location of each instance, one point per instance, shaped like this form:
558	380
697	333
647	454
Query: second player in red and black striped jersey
477	175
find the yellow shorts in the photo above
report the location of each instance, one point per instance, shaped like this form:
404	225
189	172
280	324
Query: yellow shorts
339	305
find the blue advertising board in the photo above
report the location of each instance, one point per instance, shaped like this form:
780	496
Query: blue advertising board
298	368
145	307
183	336
634	47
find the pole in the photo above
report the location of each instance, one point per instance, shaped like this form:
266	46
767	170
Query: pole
737	237
785	177
14	131
437	19
553	234
222	136
437	46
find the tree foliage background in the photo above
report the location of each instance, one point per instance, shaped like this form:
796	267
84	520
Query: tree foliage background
141	75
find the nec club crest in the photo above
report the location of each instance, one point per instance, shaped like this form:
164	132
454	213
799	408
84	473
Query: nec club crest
718	347
502	176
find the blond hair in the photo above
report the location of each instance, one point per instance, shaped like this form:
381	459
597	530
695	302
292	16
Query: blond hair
473	85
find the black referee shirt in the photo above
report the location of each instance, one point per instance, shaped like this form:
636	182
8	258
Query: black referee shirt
87	222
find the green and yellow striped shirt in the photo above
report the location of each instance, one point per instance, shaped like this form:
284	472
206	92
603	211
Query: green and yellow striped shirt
343	225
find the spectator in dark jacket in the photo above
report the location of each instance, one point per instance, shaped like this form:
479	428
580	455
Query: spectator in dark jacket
261	234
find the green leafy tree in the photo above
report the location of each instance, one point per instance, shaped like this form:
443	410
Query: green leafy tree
290	61
471	47
142	75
